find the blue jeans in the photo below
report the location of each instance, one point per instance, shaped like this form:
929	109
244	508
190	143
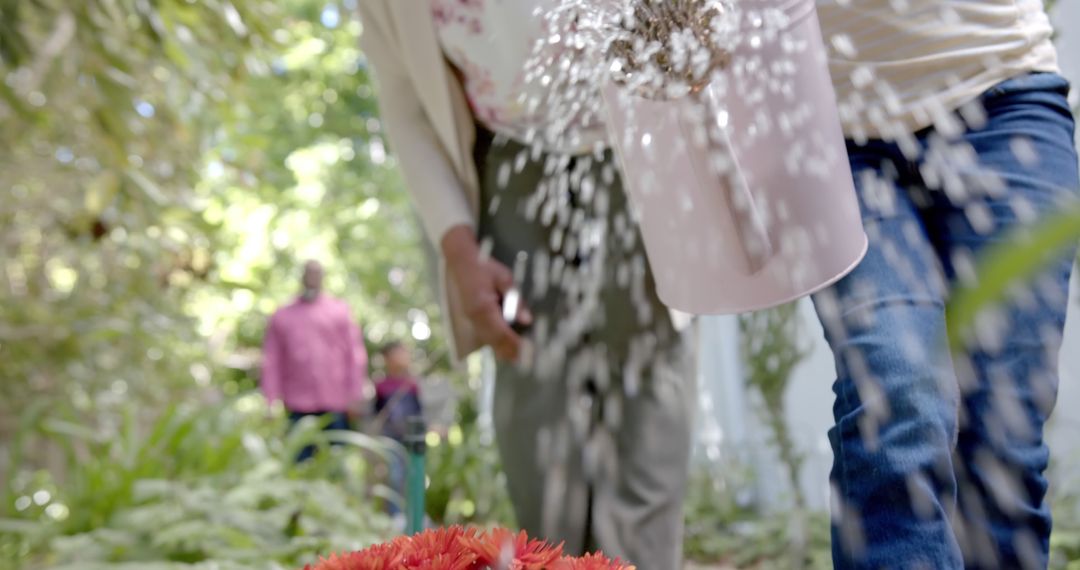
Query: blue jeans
939	458
398	479
337	421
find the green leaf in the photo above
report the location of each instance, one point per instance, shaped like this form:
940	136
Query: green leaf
1011	263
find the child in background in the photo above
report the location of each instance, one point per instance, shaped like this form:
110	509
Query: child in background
397	398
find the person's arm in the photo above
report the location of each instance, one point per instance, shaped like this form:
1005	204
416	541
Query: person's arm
435	188
418	403
273	355
357	362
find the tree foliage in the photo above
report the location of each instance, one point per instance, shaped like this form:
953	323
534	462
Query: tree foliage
168	164
104	113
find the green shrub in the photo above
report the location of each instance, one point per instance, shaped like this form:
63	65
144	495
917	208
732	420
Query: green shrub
196	485
724	526
467	484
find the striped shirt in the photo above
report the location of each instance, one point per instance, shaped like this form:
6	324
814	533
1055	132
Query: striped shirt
903	65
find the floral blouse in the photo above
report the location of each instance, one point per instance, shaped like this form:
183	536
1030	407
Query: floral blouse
496	46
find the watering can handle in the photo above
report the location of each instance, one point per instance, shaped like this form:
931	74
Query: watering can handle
747	212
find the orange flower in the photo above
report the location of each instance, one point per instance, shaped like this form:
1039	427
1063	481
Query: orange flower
590	562
456	548
375	558
502	549
441	549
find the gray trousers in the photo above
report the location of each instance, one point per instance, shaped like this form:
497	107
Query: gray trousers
594	425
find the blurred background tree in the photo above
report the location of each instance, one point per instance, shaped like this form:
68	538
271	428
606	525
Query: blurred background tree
168	165
106	110
172	164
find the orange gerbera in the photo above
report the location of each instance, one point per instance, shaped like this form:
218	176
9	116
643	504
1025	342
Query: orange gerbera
441	549
456	548
590	562
375	558
501	548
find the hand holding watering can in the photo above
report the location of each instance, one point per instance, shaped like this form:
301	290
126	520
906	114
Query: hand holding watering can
725	122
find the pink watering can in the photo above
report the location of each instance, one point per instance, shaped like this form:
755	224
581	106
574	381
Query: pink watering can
740	180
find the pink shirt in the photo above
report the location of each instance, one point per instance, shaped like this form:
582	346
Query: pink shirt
313	357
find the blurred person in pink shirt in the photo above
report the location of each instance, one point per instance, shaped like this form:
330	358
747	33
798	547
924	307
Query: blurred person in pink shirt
314	360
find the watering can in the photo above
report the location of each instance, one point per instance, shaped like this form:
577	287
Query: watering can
742	186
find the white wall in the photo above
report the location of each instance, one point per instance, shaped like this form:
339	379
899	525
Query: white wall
1064	433
809	401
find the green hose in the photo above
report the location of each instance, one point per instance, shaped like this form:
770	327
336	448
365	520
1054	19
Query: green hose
416	446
